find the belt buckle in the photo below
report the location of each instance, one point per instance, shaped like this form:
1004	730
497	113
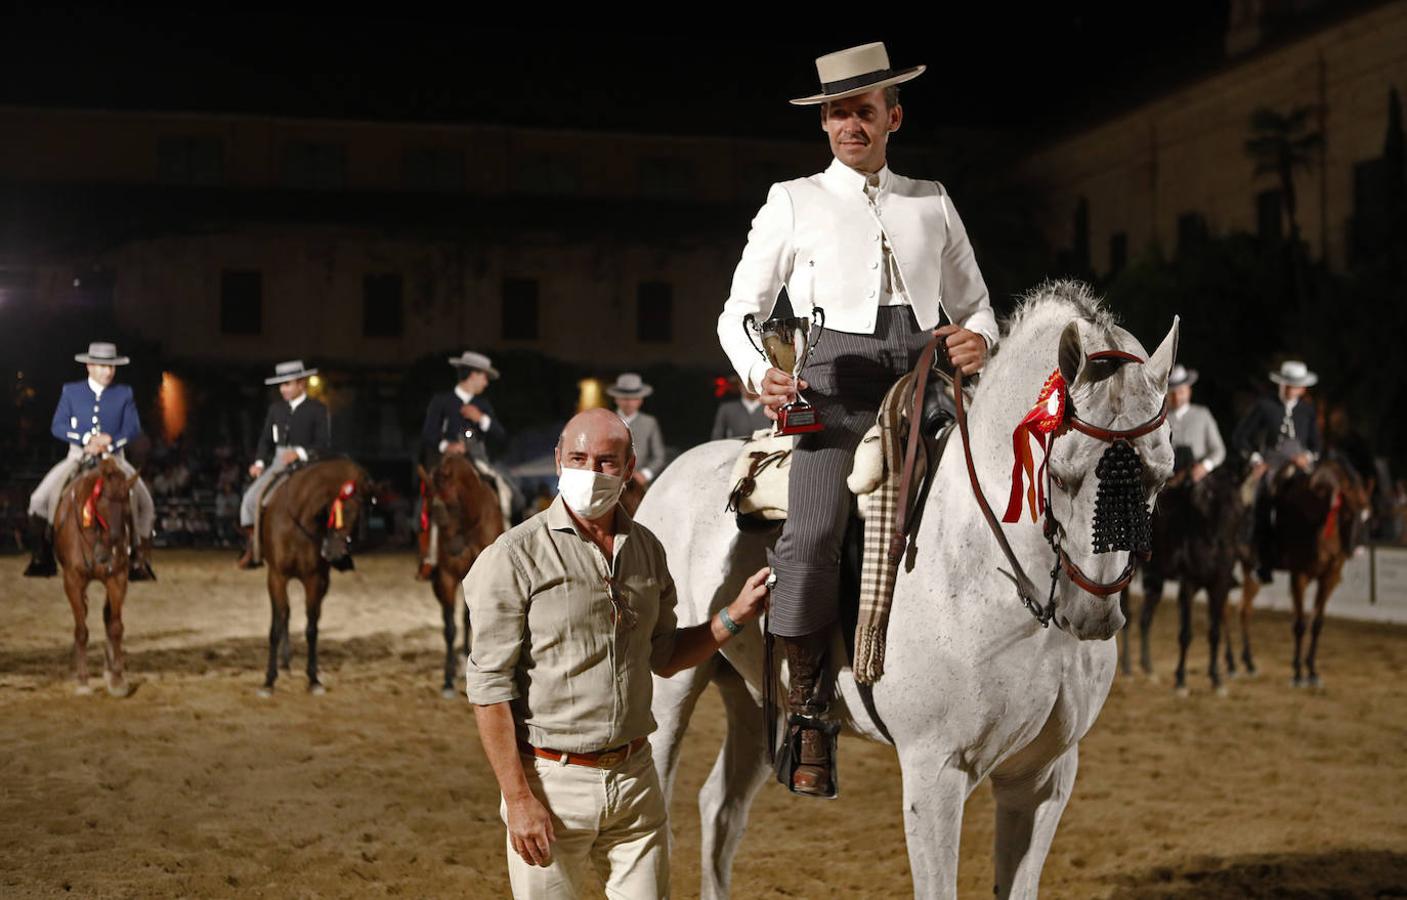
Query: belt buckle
610	759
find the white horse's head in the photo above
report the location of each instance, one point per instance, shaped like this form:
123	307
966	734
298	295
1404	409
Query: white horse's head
1114	410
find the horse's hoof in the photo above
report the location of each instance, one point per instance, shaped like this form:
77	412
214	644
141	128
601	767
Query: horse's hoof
449	693
1251	672
1221	691
82	690
266	691
1316	683
1151	677
316	689
1296	682
119	690
1182	692
1233	673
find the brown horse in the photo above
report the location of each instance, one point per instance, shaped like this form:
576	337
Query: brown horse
92	532
468	518
1319	522
305	532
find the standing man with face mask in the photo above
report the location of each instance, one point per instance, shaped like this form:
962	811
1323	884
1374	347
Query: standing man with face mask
94	418
886	257
296	429
573	612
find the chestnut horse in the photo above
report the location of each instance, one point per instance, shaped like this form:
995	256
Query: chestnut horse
92	534
468	518
305	532
1319	522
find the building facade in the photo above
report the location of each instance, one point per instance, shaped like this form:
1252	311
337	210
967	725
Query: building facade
1176	167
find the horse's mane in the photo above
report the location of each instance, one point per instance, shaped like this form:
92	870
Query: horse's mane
1066	291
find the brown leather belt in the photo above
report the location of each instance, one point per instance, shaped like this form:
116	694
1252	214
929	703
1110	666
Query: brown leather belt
601	759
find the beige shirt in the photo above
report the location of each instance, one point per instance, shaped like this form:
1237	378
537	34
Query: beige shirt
547	635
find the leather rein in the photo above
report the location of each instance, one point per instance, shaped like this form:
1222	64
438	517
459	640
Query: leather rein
1025	588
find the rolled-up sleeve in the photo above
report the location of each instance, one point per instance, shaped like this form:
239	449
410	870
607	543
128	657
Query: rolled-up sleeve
667	622
763	270
496	592
964	290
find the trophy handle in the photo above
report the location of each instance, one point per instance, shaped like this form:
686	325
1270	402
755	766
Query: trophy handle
749	326
811	342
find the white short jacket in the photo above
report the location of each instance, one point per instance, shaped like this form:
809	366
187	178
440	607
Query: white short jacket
820	238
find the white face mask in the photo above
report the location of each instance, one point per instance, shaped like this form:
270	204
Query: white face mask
588	493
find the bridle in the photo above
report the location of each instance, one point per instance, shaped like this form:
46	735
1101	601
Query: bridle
1067	419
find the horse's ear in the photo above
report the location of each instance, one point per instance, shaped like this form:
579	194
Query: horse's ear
1072	353
1161	362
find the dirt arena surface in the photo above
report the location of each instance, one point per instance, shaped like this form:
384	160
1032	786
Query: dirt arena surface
196	787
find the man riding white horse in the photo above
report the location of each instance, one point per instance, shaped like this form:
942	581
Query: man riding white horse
885	257
95	418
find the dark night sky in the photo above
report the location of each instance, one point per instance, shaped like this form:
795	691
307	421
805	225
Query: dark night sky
990	65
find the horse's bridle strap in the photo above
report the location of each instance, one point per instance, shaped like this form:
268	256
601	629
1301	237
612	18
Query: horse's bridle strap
1110	435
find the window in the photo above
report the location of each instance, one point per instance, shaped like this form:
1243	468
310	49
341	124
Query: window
520	309
241	301
654	312
1118	252
382	312
545	174
1191	231
190	160
1268	218
314	166
670	179
433	169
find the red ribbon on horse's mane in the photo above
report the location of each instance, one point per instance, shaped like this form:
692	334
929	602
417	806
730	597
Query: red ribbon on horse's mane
1331	521
1038	425
334	515
90	506
424	506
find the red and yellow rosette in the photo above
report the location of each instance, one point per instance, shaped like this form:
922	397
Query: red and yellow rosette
1039	425
334	515
90	507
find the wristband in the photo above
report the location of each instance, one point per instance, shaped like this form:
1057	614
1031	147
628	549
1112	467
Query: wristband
728	623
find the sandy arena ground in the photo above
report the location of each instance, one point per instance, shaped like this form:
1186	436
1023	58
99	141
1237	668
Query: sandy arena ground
196	787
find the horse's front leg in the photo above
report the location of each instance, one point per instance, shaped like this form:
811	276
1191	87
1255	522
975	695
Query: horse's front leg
1322	590
112	618
1298	584
1249	588
1216	615
278	625
445	593
738	774
314	589
1152	595
76	588
1028	811
1185	591
934	795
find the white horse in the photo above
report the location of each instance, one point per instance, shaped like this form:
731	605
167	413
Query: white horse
974	686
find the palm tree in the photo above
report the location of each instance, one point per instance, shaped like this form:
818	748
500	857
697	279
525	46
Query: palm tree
1280	144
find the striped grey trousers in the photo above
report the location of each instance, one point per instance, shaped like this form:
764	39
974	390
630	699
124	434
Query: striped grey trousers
848	376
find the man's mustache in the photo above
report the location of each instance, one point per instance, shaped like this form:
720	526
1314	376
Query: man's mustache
857	136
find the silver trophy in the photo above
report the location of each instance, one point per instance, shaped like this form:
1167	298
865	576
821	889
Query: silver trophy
787	343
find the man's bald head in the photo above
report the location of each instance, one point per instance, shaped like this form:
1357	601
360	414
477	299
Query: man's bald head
597	439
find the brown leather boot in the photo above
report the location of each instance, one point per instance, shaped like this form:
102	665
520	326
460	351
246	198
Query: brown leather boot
808	698
247	561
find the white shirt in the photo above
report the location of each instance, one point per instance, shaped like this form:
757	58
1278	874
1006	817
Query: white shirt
96	388
824	240
750	404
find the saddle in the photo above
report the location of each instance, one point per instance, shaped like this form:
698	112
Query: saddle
884	505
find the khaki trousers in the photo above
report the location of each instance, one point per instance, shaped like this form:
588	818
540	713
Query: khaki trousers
45	499
611	819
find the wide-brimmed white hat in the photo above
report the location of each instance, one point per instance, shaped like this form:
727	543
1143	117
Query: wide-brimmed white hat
1181	375
101	354
287	371
1295	374
857	70
630	384
472	360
